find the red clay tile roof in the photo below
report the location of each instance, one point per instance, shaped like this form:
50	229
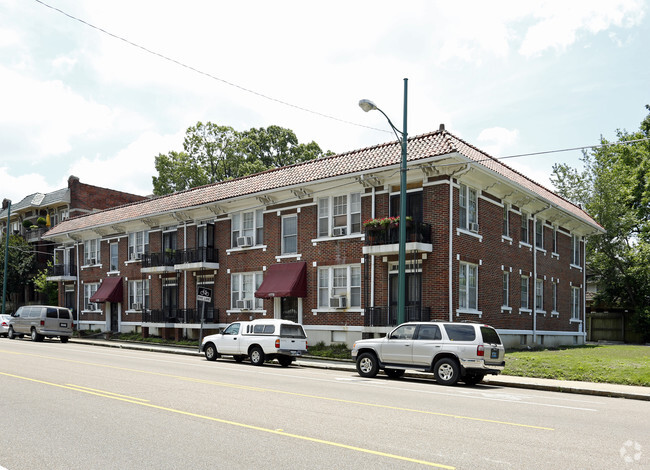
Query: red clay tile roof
420	147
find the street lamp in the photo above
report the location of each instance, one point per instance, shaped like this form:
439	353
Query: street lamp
402	137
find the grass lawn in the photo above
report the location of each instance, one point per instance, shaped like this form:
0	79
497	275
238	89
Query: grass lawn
619	364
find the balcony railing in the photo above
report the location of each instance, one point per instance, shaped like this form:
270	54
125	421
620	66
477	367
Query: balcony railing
62	270
387	316
197	255
180	315
418	232
35	234
165	258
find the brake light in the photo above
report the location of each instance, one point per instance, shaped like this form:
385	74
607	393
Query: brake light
42	322
306	345
277	343
480	350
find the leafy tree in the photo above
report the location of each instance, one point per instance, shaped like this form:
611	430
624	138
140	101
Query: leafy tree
20	263
614	187
49	288
213	153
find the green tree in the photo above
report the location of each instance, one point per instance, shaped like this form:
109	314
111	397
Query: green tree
20	263
43	286
614	187
213	153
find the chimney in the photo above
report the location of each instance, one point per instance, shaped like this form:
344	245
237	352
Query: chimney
441	128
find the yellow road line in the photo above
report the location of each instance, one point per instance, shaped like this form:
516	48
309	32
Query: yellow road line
251	388
278	432
104	392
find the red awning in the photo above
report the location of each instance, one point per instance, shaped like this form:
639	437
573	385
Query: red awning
284	280
109	291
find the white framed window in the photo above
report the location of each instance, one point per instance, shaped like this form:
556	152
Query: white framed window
468	286
468	207
524	227
138	294
89	291
248	224
342	213
539	233
114	257
539	294
575	303
505	290
555	297
339	281
575	250
524	292
290	234
506	221
243	286
554	239
138	244
91	252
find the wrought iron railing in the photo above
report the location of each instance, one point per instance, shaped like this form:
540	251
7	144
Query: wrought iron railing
180	315
165	258
387	316
197	255
62	270
415	232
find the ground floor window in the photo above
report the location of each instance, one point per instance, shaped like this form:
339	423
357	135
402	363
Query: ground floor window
575	303
243	287
339	282
89	291
468	286
138	295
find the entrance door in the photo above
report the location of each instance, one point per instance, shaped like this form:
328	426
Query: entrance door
413	296
289	308
111	313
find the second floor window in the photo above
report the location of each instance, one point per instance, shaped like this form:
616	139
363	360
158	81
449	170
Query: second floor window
248	228
138	244
339	215
524	227
506	221
290	234
539	233
114	259
468	206
575	250
91	252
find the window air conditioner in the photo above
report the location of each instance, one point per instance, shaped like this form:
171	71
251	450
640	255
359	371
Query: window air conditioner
244	241
244	304
473	227
92	261
136	306
92	307
339	231
338	302
135	255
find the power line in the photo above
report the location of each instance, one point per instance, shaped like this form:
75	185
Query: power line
206	74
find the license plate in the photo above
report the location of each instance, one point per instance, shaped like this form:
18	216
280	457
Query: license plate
295	353
63	325
494	354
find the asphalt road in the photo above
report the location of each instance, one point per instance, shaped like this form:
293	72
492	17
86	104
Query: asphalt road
77	407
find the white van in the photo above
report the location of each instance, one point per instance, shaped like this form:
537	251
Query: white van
41	321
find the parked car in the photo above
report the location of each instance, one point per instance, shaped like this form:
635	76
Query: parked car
41	321
4	324
452	351
259	340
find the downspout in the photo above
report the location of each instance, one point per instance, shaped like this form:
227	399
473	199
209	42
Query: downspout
372	258
584	292
78	285
185	279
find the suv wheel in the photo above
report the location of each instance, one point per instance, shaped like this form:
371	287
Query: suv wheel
64	339
257	356
10	333
211	352
367	365
446	371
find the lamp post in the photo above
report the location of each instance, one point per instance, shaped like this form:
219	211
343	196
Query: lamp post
402	137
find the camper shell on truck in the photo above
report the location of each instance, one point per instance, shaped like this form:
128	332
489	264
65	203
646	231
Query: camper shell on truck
258	340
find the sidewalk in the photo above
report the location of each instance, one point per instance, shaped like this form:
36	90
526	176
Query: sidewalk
566	386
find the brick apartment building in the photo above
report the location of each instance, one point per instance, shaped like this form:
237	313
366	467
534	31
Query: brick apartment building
484	243
76	199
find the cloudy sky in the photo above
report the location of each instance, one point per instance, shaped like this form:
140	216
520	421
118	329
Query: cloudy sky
510	77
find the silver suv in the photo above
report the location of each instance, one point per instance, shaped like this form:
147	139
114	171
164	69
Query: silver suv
452	351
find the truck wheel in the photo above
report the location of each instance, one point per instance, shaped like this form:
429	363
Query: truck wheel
64	339
285	361
211	352
446	371
36	336
394	373
367	365
257	356
10	333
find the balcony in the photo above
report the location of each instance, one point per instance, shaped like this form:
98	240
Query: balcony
34	235
159	262
387	316
196	259
385	241
62	272
180	315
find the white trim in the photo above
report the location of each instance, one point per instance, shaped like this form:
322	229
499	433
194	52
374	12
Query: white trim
467	232
468	311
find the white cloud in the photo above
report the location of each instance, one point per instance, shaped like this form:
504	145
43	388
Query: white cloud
131	168
15	188
496	140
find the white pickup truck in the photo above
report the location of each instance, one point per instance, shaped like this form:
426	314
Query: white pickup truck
259	340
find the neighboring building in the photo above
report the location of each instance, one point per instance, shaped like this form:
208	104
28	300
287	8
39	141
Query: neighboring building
55	207
484	244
